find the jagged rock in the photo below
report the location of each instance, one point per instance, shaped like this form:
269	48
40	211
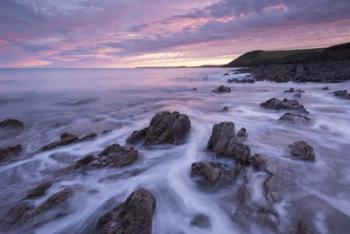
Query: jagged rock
285	104
11	123
201	221
9	152
222	89
213	174
300	150
294	118
224	143
67	139
273	189
242	133
38	190
54	200
86	160
134	216
165	128
302	228
258	161
342	94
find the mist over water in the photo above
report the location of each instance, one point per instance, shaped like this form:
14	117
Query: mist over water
119	101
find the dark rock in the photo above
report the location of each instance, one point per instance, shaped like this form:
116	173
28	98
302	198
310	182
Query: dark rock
213	174
244	195
54	201
7	153
294	118
165	128
273	189
300	150
303	228
290	90
88	137
236	80
38	190
258	162
224	143
342	94
297	95
115	156
242	133
85	161
285	104
225	109
325	88
65	139
18	214
134	216
11	123
222	89
226	74
194	89
201	221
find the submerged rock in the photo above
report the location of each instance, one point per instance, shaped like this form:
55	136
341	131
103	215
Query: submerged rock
242	133
11	123
297	95
273	189
165	128
201	221
224	143
54	200
292	90
225	109
39	190
134	216
342	94
67	139
285	104
325	88
300	150
258	161
222	89
213	174
302	228
236	80
11	151
294	118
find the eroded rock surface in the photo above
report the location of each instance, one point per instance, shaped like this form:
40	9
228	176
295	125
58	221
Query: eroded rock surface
294	118
301	150
285	104
134	216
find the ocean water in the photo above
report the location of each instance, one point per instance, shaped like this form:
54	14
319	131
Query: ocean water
119	101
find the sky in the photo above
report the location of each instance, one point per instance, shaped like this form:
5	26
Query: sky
133	33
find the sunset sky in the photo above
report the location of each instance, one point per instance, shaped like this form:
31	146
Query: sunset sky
129	33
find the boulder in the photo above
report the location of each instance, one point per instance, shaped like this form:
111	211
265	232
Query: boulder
54	201
285	104
213	174
165	128
225	109
8	152
300	150
242	133
116	156
342	94
325	88
222	89
273	189
258	162
18	214
134	216
11	123
39	190
294	118
201	221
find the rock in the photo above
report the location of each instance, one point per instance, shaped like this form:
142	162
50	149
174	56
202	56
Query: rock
342	94
213	174
258	162
9	152
222	89
225	109
38	190
236	80
273	189
226	74
244	195
294	118
18	214
165	128
88	137
300	150
325	88
201	221
194	89
114	156
65	139
11	123
290	90
224	143
297	95
134	216
285	104
242	133
85	161
54	201
302	228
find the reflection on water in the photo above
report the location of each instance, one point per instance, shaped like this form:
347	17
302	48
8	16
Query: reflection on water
114	102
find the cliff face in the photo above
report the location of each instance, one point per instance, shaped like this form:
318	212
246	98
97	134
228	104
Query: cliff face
258	58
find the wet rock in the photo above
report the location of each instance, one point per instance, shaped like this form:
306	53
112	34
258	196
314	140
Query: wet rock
134	216
114	156
11	151
165	128
18	214
236	80
222	89
38	190
290	90
242	133
294	118
86	160
244	195
225	109
194	89
213	174
302	228
258	162
89	137
342	94
297	95
201	221
273	189
54	201
325	88
285	104
11	123
65	139
300	150
226	74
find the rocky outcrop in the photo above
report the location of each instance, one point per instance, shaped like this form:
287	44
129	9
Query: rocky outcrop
236	80
9	152
300	150
222	89
213	174
165	128
134	216
285	104
11	123
342	94
67	139
294	118
224	143
39	190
